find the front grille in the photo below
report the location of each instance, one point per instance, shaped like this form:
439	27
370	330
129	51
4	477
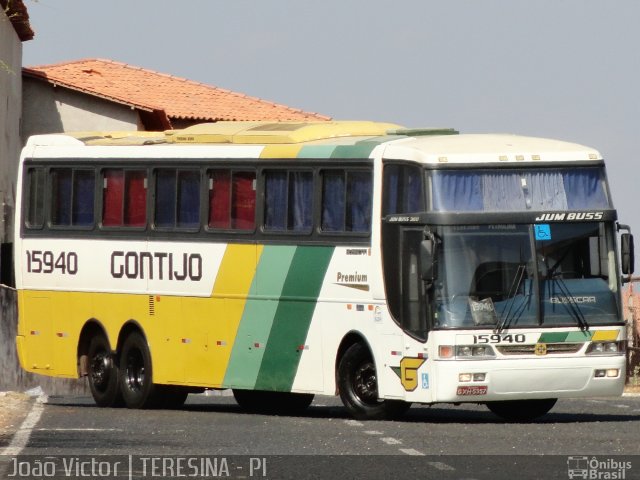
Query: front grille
552	349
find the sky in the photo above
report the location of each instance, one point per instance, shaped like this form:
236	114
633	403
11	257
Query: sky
565	69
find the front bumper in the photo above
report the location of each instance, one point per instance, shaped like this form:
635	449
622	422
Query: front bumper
514	379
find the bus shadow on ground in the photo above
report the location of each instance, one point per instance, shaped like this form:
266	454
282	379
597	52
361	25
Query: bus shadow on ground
439	414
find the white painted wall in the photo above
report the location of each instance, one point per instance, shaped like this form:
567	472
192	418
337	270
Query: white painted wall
49	109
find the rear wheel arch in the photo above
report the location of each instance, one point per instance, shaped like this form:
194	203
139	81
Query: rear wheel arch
127	329
92	328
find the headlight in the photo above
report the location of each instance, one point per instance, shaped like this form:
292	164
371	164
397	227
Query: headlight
606	348
474	351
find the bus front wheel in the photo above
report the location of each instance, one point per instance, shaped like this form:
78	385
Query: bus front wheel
136	383
521	410
358	386
103	374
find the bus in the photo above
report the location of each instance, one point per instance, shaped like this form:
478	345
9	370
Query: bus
386	265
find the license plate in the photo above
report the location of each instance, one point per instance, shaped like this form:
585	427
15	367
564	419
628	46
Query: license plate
472	390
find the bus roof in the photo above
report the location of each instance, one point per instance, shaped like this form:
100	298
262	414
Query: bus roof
488	148
351	138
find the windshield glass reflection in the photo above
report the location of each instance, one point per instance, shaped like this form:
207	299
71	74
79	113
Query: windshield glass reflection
489	276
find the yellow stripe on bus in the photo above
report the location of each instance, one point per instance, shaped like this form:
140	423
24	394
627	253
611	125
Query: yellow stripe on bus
235	275
605	335
280	151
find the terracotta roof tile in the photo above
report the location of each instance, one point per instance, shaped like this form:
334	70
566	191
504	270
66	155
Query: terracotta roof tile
147	90
17	13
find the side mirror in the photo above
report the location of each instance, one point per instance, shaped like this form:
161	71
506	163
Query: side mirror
626	253
428	258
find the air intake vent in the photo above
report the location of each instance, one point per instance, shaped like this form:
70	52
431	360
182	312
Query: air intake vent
152	305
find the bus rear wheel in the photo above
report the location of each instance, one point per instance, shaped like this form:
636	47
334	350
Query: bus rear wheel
272	402
358	385
521	410
136	376
103	374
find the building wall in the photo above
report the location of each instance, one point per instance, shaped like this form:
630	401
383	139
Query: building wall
49	109
10	114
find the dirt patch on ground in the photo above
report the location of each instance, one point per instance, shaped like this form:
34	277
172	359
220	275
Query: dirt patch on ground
14	407
632	389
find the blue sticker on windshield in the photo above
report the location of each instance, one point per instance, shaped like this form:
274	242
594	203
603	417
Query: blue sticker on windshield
543	232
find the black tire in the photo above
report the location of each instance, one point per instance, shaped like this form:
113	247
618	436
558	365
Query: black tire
103	373
521	410
358	386
136	374
257	401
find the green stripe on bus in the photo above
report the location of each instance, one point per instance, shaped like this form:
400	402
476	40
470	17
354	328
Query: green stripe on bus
553	337
257	318
579	337
359	150
316	151
560	337
293	318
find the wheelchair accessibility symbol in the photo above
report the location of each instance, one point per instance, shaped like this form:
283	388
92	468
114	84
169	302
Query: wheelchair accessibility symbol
543	232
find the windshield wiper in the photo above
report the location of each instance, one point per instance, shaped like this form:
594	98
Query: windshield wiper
506	316
572	305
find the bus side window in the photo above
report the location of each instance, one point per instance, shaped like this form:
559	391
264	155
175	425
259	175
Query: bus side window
72	202
288	201
232	200
346	201
403	189
34	217
177	198
124	198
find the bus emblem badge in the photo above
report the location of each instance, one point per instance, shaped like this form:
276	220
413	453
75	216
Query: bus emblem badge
541	349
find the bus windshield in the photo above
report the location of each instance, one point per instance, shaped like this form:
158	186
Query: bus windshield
500	276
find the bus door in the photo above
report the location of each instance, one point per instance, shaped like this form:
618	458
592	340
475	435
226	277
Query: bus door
406	299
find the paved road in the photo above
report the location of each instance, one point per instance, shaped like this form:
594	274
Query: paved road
462	442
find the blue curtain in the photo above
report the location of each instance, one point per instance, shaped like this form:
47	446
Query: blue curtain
545	191
457	191
83	197
61	186
402	189
413	197
359	192
300	201
188	199
276	201
165	198
333	202
584	189
510	190
502	192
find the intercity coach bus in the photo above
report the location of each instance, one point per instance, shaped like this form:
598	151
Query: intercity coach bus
281	260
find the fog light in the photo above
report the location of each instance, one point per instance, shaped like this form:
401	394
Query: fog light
465	377
600	373
479	377
613	372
